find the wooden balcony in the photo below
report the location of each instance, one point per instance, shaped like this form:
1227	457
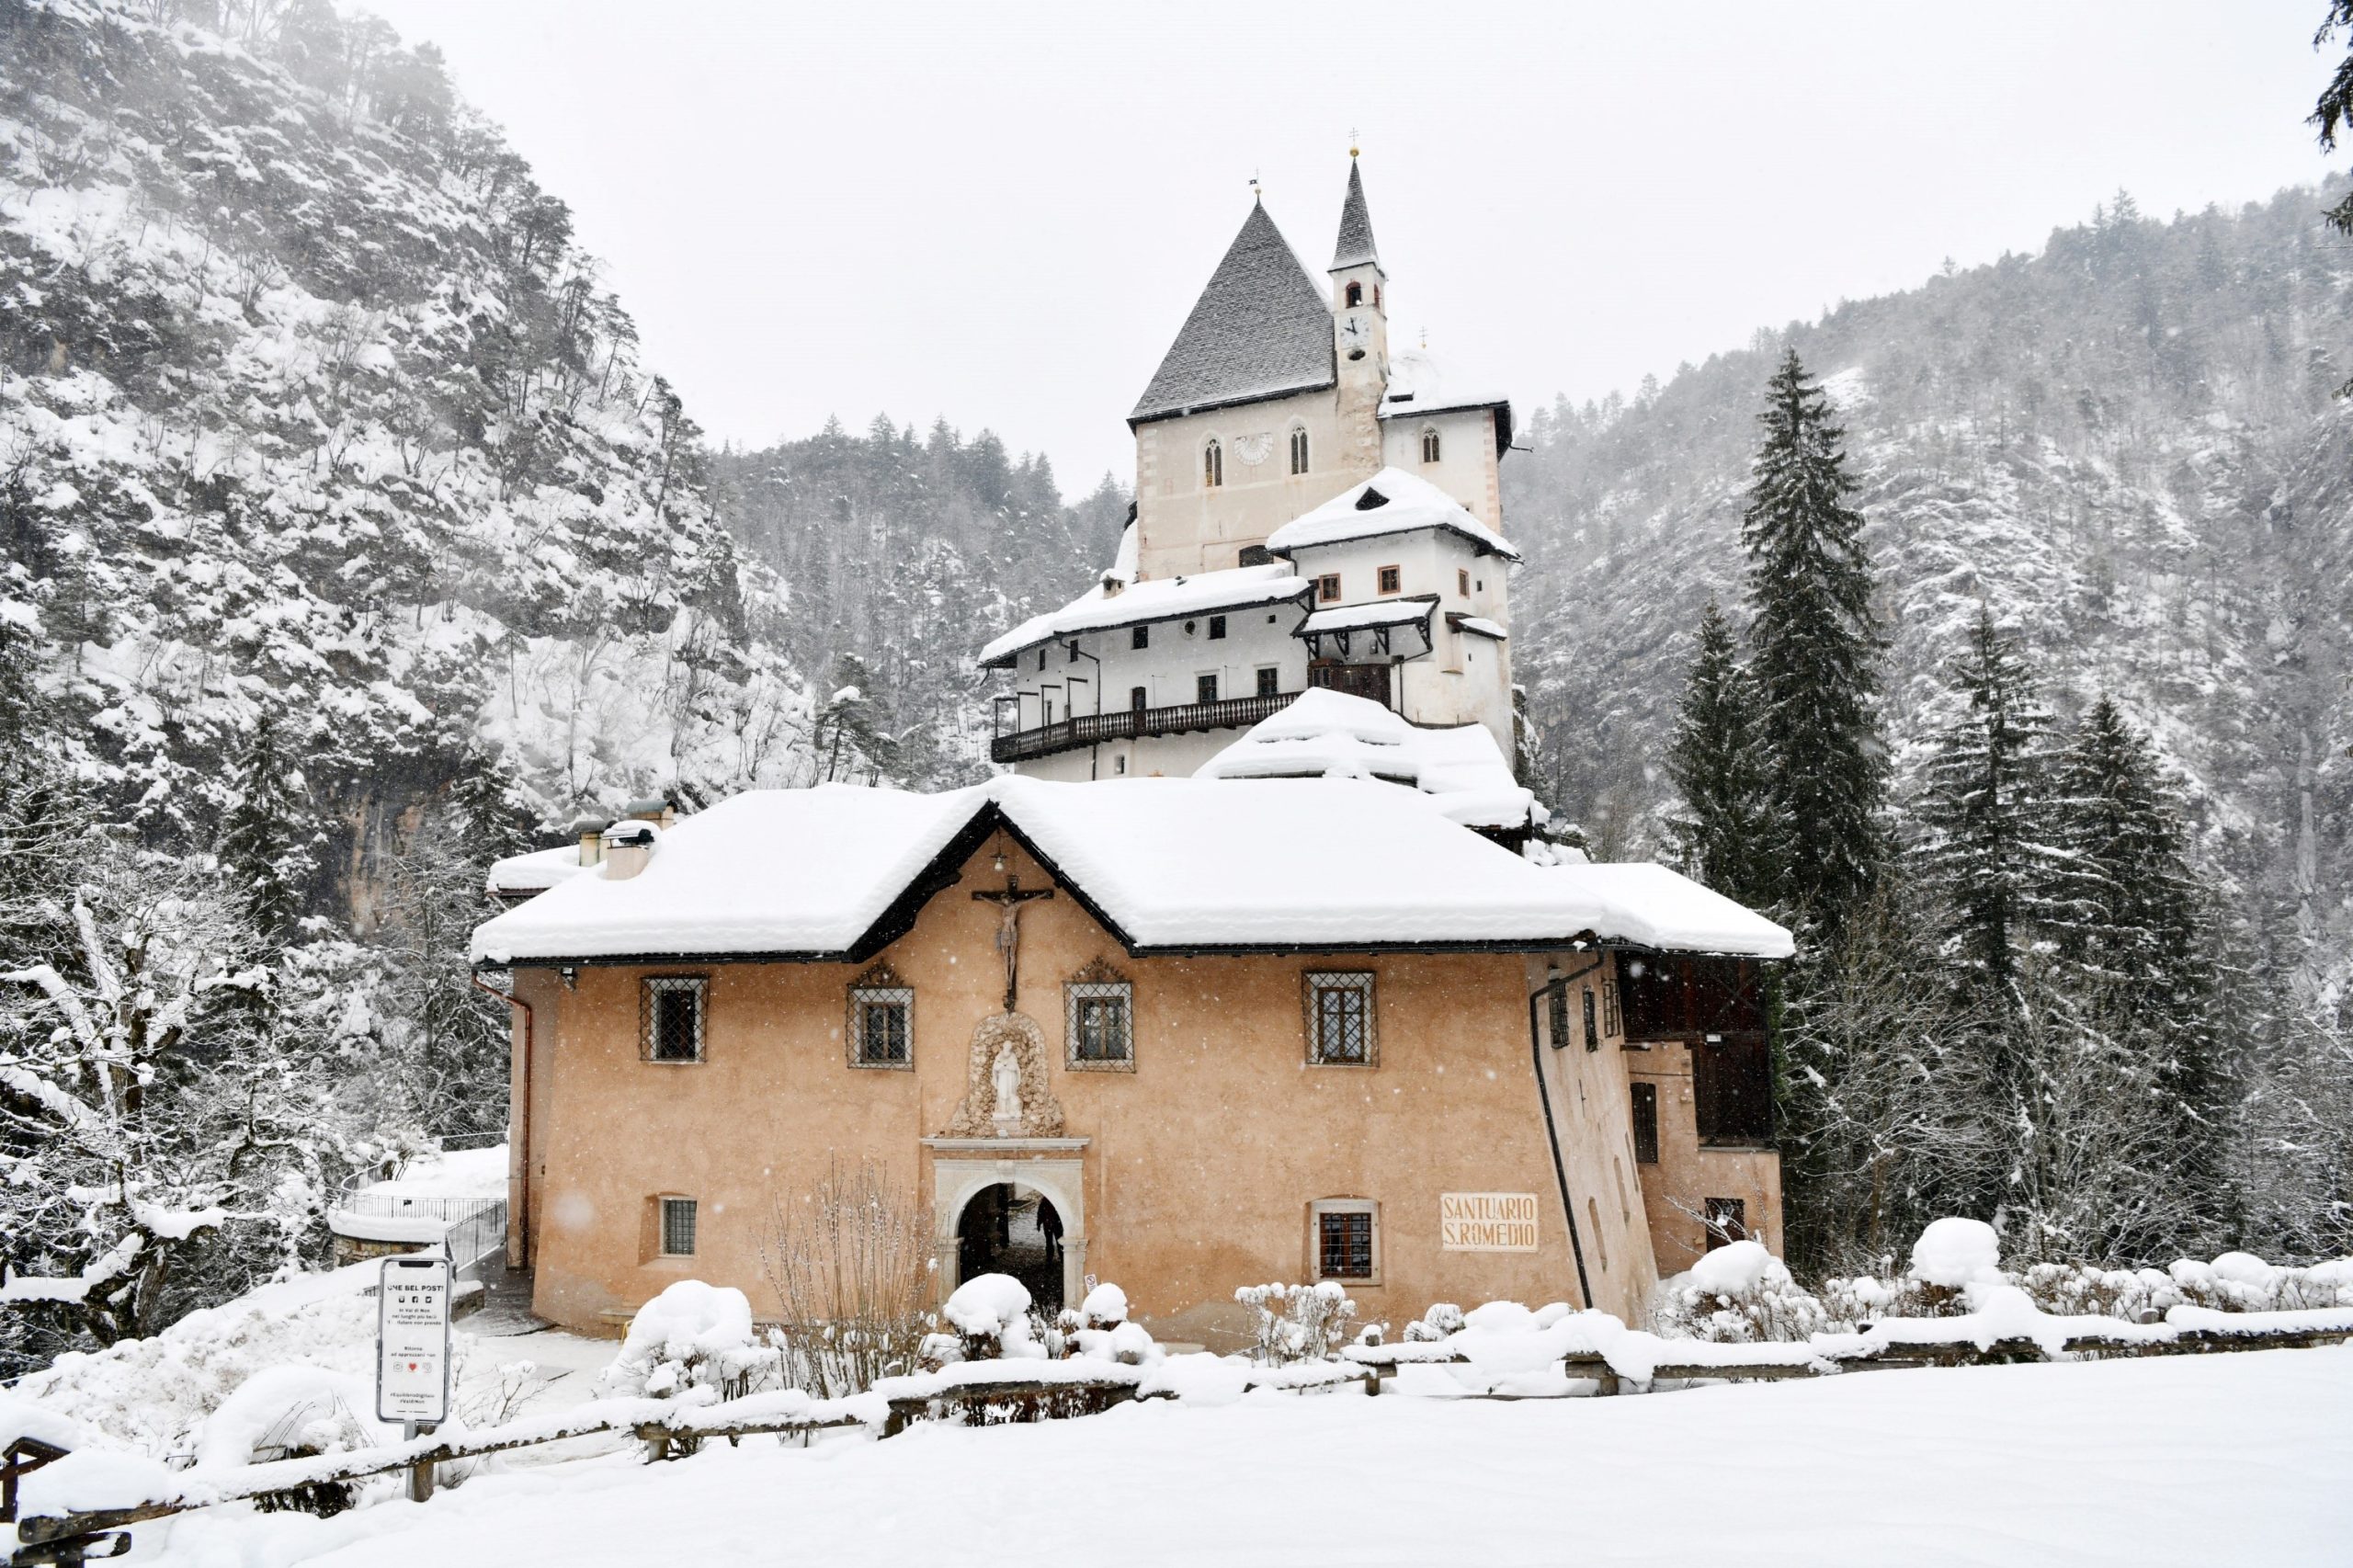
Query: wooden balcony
1135	724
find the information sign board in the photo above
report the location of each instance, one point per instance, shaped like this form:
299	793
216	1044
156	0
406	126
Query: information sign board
412	1341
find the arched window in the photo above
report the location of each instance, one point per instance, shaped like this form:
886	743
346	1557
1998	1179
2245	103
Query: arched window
1298	449
1212	464
1356	294
1429	444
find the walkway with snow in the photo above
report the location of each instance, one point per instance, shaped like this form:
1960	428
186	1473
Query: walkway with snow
2190	1460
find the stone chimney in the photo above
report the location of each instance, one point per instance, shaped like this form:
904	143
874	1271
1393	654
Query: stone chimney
655	809
629	845
589	831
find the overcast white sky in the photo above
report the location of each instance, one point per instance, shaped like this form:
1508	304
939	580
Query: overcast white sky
1001	213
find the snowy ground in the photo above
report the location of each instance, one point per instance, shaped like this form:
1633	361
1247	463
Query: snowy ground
2208	1459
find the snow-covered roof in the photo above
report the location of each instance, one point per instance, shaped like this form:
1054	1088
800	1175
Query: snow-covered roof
1358	618
1166	865
1390	502
1478	623
1355	247
1421	382
1158	599
1262	328
520	876
1331	734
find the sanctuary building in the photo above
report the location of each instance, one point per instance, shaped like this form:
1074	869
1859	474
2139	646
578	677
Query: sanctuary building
1255	967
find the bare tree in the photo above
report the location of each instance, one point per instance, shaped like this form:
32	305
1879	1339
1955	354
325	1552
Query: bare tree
852	1267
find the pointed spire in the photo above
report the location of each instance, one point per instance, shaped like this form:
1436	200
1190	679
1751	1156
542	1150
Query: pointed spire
1355	247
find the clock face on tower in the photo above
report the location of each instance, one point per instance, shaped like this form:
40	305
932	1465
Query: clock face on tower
1354	335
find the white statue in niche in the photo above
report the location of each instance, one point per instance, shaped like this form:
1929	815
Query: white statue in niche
1005	1077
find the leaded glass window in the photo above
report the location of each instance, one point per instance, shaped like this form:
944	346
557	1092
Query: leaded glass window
1339	1019
678	1227
882	1028
1098	1021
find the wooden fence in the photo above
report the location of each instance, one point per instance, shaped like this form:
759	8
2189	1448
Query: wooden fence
988	1392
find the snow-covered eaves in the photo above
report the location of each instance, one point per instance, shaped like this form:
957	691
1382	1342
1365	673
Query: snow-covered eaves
1364	617
1390	502
1460	771
1163	864
1156	599
1421	385
1262	328
1477	624
523	876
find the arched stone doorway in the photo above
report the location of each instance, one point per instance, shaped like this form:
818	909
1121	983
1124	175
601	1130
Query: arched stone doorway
1009	1228
962	1168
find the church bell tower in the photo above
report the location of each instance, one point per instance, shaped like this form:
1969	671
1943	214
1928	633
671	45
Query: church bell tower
1359	326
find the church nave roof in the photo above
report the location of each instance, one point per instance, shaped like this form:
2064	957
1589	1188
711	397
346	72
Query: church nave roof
1262	328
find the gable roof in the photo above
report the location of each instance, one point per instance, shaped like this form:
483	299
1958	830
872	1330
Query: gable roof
1154	599
1355	247
1261	329
1390	502
1165	865
1331	734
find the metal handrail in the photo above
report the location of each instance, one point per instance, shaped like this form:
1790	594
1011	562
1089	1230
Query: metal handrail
1130	724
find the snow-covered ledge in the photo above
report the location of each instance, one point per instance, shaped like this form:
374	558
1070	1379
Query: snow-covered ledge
962	1167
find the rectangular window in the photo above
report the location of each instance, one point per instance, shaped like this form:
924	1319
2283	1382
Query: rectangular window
1556	1015
1645	1124
1205	688
1098	1023
1299	451
1727	1221
1348	1240
671	1008
882	1025
1327	587
1610	1022
1136	698
1339	1018
1140	637
678	1227
1732	1090
1217	627
1344	1246
1463	581
1592	1029
1389	579
1270	682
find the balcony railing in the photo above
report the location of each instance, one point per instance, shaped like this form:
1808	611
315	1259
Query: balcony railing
1133	724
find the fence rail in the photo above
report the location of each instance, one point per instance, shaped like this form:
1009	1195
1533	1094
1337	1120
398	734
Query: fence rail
1129	724
666	1428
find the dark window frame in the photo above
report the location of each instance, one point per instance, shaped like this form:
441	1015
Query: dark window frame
1340	1014
1345	1231
874	997
1217	628
1205	686
1642	1098
1097	996
656	1018
676	1218
1270	681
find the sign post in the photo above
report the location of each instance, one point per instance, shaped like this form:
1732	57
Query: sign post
413	1352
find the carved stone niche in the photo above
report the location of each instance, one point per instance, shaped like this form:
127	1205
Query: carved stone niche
976	1113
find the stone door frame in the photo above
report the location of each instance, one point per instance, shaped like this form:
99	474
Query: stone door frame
962	1167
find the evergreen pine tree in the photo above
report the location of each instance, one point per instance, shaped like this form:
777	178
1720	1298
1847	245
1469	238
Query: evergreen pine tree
1814	648
490	808
1985	855
2131	930
1717	769
266	850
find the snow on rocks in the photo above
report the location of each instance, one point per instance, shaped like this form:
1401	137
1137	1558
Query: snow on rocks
1954	1252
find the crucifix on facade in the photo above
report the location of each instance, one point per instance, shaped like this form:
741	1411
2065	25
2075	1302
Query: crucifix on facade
1009	901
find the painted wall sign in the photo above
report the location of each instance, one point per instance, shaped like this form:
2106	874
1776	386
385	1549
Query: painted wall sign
1486	1222
412	1341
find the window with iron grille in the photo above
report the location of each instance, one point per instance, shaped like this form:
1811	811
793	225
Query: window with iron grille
1727	1221
1346	1241
678	1227
1592	1029
1098	1021
1610	1022
1339	1018
881	1027
670	1011
1556	1015
1645	1124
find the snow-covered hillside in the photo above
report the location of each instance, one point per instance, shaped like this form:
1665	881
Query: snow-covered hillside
2128	446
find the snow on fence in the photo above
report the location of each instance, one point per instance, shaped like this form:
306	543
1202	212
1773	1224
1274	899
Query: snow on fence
85	1495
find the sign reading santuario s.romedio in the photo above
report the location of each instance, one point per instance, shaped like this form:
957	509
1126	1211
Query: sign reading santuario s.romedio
1486	1222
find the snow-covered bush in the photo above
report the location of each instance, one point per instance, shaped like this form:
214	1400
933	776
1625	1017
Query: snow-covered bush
990	1314
1106	1307
1298	1322
1442	1319
283	1413
2134	1295
1738	1294
693	1343
1953	1252
2241	1283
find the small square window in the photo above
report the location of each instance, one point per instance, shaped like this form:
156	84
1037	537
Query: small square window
1339	1018
1327	587
1217	627
882	1020
1098	1021
1348	1240
671	1007
678	1227
1205	688
1389	579
1270	682
1140	637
